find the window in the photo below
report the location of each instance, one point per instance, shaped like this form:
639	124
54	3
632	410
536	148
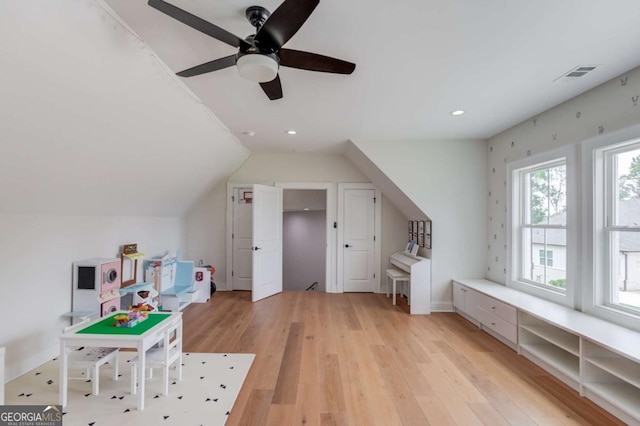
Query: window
618	228
546	260
542	226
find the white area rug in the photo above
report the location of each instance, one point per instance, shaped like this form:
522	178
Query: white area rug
205	395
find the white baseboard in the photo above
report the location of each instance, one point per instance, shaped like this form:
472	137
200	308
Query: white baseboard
23	366
442	307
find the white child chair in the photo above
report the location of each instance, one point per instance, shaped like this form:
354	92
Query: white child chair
161	357
91	359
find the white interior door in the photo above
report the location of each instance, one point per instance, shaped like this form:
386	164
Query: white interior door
358	240
267	241
242	239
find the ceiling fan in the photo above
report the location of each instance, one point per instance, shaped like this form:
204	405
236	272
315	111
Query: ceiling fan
260	55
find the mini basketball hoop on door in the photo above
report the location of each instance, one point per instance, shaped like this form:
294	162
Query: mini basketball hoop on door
247	197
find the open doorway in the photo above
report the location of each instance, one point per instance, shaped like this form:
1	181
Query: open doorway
239	273
304	239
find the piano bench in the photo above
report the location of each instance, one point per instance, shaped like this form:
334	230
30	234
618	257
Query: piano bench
396	275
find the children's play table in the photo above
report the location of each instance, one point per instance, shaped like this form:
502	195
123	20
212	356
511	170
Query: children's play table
102	333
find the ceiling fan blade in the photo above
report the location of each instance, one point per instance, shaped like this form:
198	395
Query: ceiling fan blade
198	23
218	64
273	88
284	22
314	62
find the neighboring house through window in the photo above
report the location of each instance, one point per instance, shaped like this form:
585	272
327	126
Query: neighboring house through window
618	227
541	198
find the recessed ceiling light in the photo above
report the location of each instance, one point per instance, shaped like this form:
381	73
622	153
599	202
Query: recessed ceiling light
249	133
457	112
291	132
306	209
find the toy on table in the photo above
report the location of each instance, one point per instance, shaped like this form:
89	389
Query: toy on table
131	318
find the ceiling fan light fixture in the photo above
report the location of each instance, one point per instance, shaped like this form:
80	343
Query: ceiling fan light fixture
257	67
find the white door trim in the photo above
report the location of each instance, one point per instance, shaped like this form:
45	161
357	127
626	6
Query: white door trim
330	188
378	233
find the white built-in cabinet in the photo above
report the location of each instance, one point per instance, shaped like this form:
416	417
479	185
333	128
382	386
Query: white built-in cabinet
598	359
612	378
556	350
497	318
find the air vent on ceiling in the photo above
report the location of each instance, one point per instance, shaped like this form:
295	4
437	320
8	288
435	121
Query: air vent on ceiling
577	72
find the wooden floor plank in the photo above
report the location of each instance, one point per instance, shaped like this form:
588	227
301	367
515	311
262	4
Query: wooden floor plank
366	397
332	419
355	359
435	412
286	390
281	415
400	393
332	397
257	408
450	398
488	414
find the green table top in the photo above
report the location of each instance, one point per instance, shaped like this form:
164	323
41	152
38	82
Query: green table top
106	326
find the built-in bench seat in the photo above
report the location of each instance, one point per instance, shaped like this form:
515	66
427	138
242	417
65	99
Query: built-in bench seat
599	359
182	293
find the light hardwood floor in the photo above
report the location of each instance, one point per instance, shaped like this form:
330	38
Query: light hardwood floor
355	359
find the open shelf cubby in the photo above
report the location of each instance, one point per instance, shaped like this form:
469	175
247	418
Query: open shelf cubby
614	389
561	360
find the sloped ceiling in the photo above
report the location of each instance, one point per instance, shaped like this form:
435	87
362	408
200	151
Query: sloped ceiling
388	187
416	61
92	122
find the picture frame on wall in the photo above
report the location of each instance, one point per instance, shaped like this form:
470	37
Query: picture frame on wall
427	227
421	240
427	241
421	227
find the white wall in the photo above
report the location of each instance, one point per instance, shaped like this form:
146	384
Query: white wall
35	279
602	110
93	123
304	249
293	167
394	236
447	180
101	145
205	230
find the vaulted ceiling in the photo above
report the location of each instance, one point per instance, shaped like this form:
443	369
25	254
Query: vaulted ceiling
94	121
417	60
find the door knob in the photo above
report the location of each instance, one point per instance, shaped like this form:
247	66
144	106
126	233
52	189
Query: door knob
347	245
257	248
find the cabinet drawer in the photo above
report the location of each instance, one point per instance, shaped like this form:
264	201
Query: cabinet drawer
504	311
505	329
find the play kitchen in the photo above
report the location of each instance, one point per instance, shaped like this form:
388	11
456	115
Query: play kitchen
96	286
99	286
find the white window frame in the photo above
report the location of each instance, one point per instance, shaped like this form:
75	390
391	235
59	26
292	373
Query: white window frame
596	268
516	169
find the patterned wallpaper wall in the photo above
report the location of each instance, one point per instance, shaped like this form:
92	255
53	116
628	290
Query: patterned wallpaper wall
609	107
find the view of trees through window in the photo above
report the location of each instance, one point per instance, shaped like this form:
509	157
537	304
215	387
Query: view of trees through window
629	180
545	227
